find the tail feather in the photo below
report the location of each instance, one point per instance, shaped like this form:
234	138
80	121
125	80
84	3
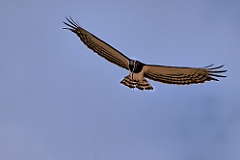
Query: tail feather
141	84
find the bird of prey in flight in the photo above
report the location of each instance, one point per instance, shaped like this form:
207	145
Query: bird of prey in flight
140	71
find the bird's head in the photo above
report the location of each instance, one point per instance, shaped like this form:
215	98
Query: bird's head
135	66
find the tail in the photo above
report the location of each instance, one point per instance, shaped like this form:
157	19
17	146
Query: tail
141	84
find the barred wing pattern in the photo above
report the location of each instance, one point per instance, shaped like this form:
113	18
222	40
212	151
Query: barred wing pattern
182	75
97	45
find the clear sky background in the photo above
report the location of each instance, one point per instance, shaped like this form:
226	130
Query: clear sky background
60	101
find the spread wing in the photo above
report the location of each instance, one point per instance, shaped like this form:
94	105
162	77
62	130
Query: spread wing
182	75
97	45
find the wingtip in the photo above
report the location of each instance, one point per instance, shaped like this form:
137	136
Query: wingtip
71	23
215	72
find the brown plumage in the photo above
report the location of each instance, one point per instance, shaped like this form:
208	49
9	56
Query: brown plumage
138	70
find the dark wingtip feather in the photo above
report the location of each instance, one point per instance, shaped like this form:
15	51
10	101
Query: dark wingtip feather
213	68
208	66
214	79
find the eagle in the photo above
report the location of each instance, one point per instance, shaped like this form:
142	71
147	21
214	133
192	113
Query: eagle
139	71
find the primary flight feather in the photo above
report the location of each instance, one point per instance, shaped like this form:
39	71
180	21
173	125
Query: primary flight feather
138	70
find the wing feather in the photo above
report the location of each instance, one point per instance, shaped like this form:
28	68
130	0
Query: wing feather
182	75
97	45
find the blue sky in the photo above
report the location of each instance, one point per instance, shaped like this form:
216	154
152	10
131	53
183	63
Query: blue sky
60	101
